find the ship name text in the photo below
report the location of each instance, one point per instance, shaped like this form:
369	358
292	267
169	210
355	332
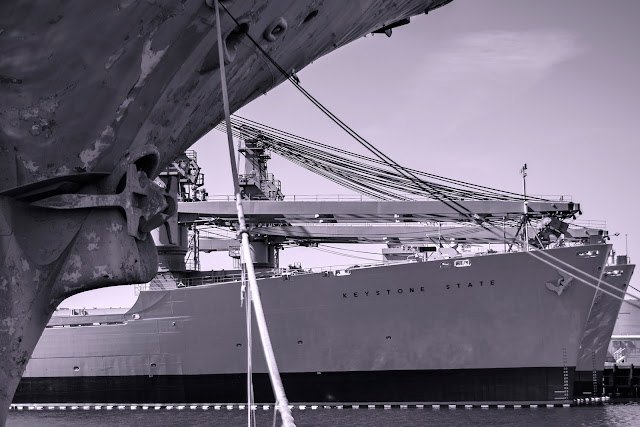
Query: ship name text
418	289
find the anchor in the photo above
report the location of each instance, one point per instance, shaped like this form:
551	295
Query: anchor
146	204
56	244
561	284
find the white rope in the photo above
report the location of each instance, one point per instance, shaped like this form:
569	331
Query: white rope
539	256
253	290
275	414
514	238
536	254
247	312
385	159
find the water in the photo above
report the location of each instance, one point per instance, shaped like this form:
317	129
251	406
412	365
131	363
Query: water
604	415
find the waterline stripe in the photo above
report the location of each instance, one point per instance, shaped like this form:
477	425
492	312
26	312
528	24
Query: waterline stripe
243	407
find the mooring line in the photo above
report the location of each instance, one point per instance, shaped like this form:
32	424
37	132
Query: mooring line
253	290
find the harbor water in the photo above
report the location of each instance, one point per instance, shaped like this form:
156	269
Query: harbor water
602	415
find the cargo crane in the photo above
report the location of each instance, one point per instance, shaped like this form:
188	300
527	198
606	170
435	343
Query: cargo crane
411	229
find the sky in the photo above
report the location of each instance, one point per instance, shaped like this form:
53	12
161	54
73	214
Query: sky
471	91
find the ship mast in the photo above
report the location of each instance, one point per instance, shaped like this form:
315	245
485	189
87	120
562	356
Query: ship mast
525	220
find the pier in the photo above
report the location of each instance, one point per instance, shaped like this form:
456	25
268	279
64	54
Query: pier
621	381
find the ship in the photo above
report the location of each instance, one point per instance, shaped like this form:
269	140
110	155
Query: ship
97	99
598	338
624	347
621	377
85	130
434	324
482	330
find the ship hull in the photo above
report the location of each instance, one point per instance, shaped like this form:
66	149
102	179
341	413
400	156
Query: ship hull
484	329
598	331
450	386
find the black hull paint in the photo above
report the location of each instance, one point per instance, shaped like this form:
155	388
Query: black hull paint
586	386
456	386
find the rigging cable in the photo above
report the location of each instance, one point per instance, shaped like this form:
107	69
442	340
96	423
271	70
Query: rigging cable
313	159
500	238
383	157
350	250
343	254
409	174
244	125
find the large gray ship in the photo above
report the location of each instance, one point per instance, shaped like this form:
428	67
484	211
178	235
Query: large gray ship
435	324
599	329
484	329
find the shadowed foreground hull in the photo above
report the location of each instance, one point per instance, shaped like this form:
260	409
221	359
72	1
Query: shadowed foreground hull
481	329
97	96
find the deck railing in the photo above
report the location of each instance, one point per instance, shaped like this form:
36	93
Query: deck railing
359	197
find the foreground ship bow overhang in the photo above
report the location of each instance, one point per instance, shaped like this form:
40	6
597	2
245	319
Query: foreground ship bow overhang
96	97
83	84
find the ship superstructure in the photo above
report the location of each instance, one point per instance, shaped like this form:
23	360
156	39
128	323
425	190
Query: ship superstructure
599	329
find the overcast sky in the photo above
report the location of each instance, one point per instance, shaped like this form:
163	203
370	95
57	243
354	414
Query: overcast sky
473	91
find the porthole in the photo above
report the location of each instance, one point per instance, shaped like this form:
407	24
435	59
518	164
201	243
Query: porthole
388	337
238	345
310	16
148	164
76	369
300	342
233	41
153	365
275	30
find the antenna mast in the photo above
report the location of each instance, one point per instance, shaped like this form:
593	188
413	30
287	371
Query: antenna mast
525	219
